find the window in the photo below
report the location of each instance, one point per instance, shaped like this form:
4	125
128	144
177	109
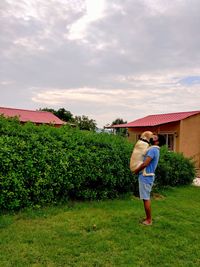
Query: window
170	141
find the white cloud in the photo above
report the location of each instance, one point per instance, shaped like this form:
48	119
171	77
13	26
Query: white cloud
160	7
29	44
107	104
161	79
92	95
103	58
4	83
94	11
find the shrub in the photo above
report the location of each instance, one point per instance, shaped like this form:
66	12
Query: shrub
40	165
174	169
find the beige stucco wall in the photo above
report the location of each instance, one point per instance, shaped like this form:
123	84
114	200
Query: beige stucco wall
190	138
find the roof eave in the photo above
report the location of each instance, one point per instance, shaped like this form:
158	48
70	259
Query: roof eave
141	126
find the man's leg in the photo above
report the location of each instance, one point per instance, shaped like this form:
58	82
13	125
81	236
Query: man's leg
147	208
145	190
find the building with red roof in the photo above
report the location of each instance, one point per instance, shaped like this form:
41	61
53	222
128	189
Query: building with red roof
181	129
37	117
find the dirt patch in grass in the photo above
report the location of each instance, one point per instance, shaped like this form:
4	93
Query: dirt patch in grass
158	196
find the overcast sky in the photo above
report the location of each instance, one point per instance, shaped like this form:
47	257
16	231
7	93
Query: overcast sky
105	59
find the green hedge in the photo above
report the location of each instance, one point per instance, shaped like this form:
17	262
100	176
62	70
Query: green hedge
174	169
40	165
43	165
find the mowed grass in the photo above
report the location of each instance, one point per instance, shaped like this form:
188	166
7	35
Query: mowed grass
106	233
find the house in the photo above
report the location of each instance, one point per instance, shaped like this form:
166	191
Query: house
37	117
181	129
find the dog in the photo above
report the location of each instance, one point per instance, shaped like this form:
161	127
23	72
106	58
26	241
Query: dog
140	150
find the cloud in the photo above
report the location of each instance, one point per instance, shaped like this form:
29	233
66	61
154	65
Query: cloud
107	97
94	11
128	104
4	83
102	58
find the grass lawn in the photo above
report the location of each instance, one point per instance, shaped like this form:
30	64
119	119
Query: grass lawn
106	233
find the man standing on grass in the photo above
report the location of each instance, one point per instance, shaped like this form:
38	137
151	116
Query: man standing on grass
146	173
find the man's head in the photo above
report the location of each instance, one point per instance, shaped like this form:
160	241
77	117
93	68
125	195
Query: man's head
158	140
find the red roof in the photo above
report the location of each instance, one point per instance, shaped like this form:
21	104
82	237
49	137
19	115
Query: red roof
154	120
31	115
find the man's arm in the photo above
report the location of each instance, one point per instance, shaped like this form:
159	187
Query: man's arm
143	165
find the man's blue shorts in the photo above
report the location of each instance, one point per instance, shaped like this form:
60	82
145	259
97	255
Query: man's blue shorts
145	190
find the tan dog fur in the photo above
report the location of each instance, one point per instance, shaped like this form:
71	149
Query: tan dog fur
140	150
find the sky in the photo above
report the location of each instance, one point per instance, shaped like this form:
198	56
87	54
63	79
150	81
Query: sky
105	59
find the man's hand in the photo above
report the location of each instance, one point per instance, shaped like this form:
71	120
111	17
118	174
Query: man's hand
136	171
143	165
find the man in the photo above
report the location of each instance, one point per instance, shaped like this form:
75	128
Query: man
146	173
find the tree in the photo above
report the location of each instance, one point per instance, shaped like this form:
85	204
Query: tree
120	131
61	113
65	115
48	110
84	123
118	121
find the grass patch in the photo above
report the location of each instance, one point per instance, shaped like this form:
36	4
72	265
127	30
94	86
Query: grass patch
106	233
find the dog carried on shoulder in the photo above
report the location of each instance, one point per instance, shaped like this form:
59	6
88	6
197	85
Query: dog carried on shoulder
140	150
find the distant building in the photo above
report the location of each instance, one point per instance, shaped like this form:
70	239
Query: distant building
181	129
36	117
104	130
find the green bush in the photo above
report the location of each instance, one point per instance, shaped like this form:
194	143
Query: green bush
174	169
43	165
40	165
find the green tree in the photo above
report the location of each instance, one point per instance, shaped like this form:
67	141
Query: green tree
118	121
84	123
120	131
65	115
61	113
48	109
